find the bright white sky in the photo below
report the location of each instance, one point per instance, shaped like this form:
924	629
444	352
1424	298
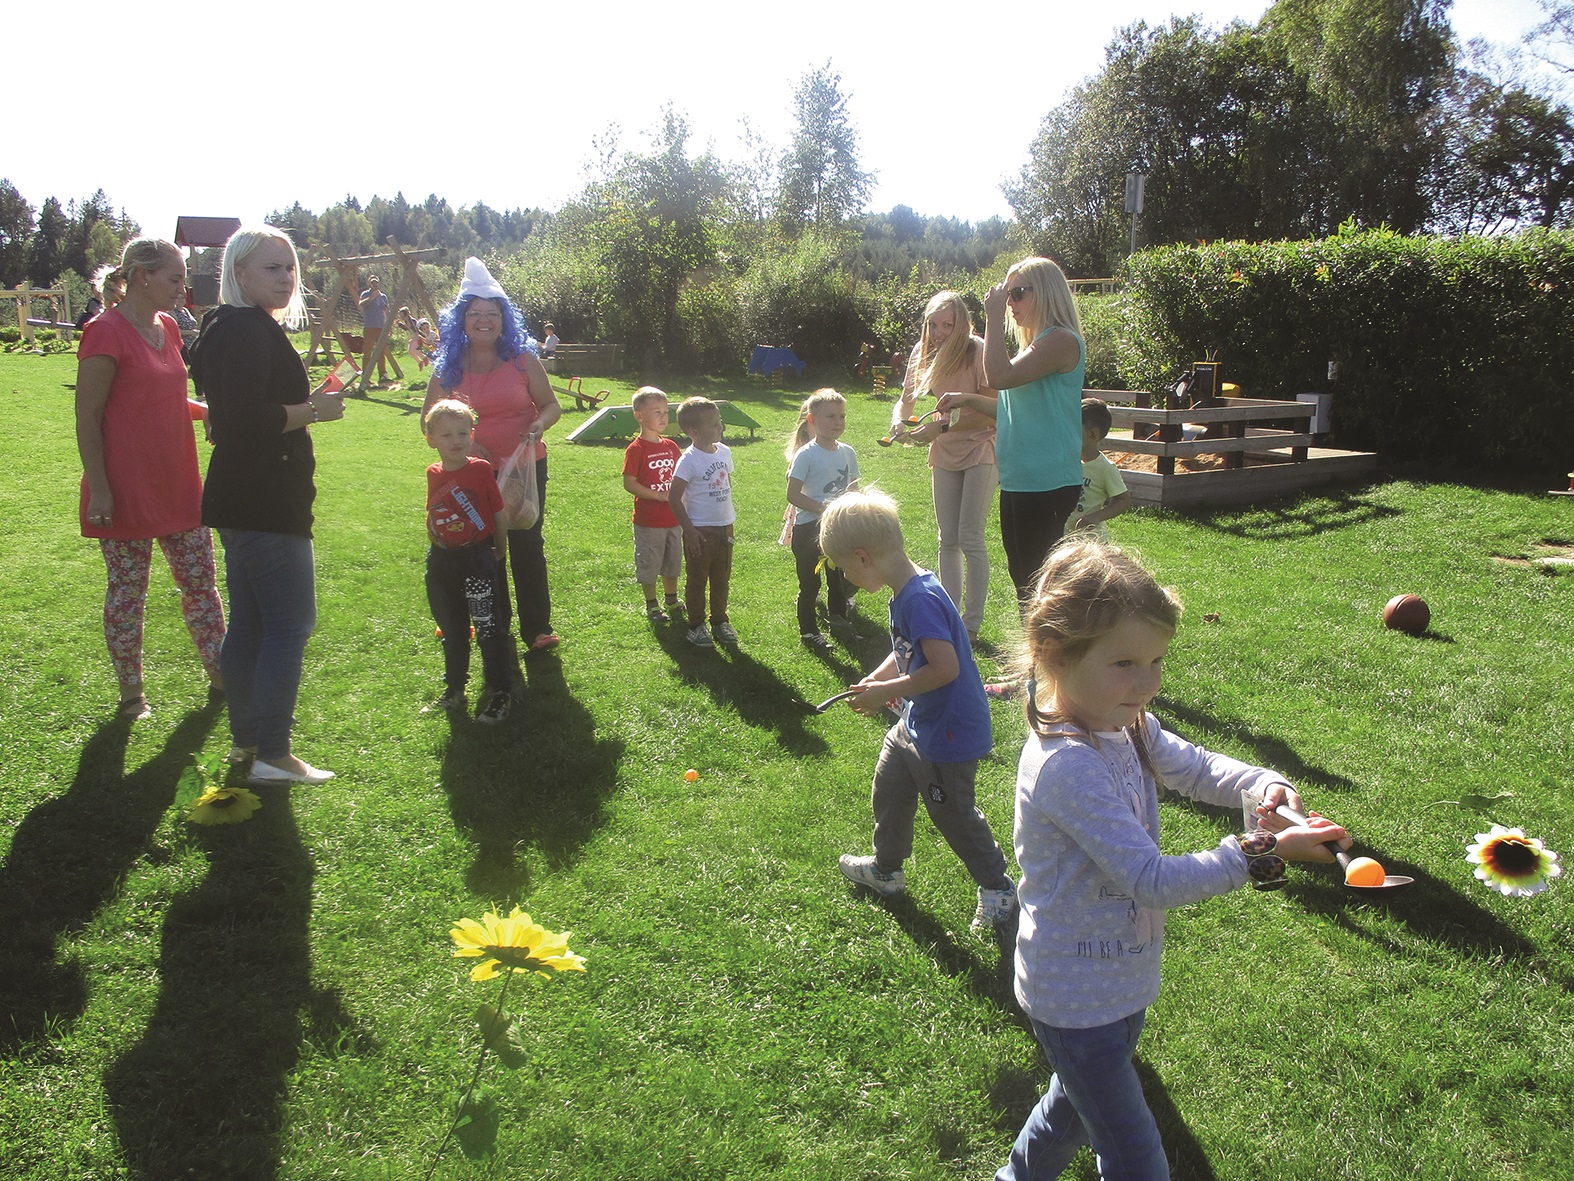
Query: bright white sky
236	108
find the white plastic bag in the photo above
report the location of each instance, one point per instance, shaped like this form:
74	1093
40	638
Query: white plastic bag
517	481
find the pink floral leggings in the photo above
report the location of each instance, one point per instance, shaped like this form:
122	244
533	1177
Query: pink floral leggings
190	558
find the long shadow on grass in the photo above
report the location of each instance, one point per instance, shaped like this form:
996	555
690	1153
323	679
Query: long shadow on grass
405	407
537	781
1266	750
735	679
1430	909
1305	514
68	857
988	977
201	1094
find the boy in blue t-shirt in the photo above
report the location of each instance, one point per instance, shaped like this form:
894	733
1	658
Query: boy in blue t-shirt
944	729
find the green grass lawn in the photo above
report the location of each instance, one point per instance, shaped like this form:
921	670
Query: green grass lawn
277	999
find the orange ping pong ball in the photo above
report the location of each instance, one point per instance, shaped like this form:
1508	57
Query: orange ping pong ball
691	775
1363	871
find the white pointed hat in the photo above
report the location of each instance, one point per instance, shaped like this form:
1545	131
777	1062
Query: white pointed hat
478	281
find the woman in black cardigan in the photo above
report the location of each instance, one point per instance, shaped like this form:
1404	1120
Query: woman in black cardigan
259	492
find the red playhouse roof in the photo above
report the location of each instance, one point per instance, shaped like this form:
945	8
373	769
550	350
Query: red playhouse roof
204	231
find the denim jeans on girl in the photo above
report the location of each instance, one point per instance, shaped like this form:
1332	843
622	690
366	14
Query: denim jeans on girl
1094	1098
271	579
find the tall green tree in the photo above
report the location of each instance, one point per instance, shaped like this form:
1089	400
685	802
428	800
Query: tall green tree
1508	159
651	223
16	232
46	258
1381	69
821	183
1233	143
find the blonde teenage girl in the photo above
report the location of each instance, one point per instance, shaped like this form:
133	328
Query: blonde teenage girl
949	358
1094	885
820	468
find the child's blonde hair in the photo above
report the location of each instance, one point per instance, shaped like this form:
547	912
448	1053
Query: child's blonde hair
645	393
690	407
1054	306
938	361
802	433
447	408
859	519
1085	589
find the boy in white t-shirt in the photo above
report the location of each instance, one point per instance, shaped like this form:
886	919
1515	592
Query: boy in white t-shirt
700	497
1104	493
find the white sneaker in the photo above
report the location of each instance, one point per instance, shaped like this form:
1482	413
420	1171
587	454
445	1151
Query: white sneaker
997	909
264	774
700	637
865	872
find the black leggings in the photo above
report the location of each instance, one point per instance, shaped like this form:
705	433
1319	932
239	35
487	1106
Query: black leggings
1032	524
806	557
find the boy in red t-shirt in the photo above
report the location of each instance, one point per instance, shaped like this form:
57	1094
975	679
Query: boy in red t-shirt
647	474
462	499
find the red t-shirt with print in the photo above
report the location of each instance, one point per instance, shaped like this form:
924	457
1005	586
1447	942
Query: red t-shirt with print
652	465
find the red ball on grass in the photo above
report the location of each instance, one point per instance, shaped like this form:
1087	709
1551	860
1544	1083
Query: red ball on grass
1407	613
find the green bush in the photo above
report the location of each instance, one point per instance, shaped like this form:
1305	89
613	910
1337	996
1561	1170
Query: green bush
10	335
1451	350
1101	338
803	296
708	315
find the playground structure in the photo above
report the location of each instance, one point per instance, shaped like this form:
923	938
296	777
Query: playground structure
410	291
618	422
1221	453
59	310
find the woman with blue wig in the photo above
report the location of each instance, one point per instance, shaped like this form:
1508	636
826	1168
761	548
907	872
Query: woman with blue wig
487	360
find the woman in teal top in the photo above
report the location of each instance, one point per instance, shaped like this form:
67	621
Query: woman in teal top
1038	443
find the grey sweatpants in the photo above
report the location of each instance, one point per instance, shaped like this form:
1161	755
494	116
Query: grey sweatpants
901	778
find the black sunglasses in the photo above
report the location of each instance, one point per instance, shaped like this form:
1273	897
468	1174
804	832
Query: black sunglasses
1015	294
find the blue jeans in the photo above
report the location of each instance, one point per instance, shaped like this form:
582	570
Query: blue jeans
1094	1098
271	579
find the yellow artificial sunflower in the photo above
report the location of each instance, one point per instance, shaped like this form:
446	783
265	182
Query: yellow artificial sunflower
514	943
1507	860
223	805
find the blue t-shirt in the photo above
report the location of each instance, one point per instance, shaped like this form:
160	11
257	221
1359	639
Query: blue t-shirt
825	473
1038	440
374	313
949	724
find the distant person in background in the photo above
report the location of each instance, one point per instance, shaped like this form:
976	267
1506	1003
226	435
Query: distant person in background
187	323
259	493
549	345
374	320
140	480
486	359
109	286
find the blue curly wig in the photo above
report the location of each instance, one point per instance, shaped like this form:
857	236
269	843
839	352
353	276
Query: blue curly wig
449	362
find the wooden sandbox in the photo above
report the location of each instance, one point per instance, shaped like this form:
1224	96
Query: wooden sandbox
1238	461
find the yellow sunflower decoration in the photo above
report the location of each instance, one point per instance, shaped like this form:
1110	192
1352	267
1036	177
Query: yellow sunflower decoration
514	944
1507	860
223	805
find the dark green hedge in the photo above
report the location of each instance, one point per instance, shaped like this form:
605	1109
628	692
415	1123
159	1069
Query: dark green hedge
1449	350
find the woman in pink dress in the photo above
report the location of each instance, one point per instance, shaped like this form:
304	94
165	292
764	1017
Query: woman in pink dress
140	481
487	360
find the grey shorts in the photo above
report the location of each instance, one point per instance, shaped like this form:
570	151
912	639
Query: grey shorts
658	553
